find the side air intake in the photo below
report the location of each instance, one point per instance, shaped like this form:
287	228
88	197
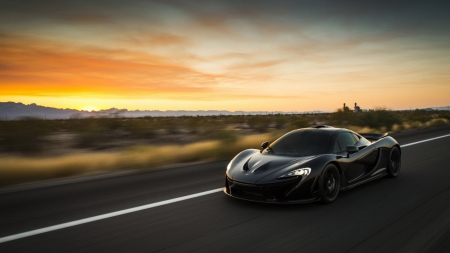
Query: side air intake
246	165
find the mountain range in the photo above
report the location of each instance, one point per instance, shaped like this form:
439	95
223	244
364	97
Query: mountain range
14	111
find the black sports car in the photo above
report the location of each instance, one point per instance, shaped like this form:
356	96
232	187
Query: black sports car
311	164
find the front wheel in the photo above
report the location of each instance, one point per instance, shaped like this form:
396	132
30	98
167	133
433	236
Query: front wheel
395	162
329	184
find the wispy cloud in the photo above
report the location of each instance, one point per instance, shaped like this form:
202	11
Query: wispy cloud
213	52
33	66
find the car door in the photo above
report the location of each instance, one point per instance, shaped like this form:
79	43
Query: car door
352	169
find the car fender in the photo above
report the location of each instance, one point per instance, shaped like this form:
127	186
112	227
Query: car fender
239	160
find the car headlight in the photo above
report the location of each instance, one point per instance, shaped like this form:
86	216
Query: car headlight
229	166
296	173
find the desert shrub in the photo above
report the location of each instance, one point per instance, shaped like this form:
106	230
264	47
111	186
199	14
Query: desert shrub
377	119
438	122
226	136
444	115
24	136
91	132
89	140
193	124
322	117
342	118
259	123
139	128
417	115
298	122
110	124
280	121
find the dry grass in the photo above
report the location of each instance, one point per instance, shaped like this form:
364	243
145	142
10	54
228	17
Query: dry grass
419	125
227	143
358	129
19	169
401	127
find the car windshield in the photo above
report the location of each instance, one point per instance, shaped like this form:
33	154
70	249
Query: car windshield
303	142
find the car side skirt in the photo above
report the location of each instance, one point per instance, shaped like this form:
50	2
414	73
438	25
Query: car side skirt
379	175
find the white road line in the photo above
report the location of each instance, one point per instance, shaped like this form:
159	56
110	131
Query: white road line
135	209
103	216
417	142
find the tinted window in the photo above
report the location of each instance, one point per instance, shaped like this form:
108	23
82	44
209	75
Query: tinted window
302	143
337	149
345	139
356	137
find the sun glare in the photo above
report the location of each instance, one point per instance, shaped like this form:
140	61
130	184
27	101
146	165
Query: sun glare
89	108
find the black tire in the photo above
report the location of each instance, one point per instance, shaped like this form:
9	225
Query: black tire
395	162
329	184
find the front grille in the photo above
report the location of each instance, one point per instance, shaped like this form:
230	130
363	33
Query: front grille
260	192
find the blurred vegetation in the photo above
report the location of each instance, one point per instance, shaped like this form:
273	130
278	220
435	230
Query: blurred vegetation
35	149
31	136
25	135
375	119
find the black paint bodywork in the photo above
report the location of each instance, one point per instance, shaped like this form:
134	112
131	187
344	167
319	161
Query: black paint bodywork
254	175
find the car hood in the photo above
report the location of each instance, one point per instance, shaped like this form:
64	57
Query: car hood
259	165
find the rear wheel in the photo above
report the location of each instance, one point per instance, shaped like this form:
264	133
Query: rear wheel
395	162
329	184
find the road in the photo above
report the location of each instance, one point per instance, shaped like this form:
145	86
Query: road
410	213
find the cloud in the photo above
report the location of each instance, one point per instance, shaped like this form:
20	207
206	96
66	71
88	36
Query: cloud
150	39
255	65
395	14
81	12
33	66
233	55
211	50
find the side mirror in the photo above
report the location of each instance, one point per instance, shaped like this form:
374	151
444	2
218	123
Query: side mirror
264	145
352	149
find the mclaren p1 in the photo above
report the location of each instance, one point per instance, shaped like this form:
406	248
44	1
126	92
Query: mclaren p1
311	164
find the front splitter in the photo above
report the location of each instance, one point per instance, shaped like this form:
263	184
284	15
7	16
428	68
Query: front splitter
302	201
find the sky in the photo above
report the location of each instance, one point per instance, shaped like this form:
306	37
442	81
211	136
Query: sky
253	55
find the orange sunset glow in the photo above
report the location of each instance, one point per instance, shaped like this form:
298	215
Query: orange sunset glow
224	55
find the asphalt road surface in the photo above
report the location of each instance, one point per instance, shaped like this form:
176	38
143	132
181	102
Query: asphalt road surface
410	213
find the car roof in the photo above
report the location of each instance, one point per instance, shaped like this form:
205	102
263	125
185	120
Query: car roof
311	129
324	127
328	129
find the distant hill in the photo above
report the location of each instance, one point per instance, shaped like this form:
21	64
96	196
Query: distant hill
13	111
442	108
